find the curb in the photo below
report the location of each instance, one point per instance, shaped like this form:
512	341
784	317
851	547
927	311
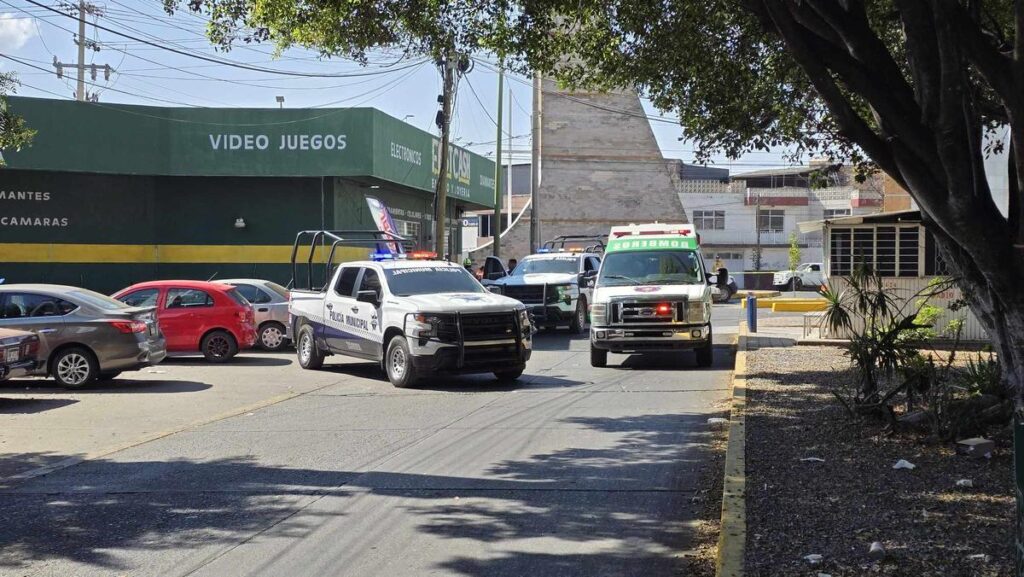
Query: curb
732	536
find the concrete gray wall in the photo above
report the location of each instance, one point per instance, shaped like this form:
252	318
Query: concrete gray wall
600	167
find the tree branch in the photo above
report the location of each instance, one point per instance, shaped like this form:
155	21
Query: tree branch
995	67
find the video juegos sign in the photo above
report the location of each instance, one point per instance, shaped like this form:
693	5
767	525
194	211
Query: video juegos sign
281	142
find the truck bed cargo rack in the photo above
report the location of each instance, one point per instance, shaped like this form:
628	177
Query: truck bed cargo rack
559	242
357	238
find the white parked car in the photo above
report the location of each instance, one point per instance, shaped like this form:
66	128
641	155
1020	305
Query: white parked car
807	275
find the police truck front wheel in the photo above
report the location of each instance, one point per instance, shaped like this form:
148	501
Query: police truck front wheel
579	318
310	355
398	364
598	357
509	376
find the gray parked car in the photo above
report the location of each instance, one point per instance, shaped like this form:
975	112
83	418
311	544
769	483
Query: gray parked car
270	301
84	336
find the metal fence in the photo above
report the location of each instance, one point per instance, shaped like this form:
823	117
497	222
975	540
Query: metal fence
906	289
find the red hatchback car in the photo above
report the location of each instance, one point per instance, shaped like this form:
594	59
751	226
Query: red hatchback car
196	316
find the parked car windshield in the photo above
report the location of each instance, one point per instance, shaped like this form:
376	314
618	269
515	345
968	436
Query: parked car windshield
95	299
651	267
410	281
557	265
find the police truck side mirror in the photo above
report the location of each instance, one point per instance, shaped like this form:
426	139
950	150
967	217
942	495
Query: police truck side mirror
369	297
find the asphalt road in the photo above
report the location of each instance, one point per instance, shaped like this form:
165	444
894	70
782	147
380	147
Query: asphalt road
572	471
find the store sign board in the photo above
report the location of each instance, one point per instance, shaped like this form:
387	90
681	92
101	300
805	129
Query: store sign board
127	139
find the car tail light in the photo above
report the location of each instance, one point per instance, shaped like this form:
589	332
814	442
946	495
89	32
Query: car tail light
246	315
129	327
31	348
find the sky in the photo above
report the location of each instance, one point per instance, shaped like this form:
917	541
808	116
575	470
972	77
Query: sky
32	37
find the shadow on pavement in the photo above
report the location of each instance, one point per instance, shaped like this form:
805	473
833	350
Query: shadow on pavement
677	361
23	406
620	509
118	385
244	359
469	383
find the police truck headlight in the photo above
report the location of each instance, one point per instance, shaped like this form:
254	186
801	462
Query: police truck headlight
598	311
425	325
696	311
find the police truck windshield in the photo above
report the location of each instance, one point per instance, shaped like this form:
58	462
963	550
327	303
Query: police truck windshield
556	265
408	281
651	267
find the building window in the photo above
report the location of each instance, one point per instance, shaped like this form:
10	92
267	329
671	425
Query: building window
833	213
709	219
408	228
485	224
771	220
893	251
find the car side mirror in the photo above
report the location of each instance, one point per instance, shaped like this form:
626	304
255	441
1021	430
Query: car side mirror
369	297
590	282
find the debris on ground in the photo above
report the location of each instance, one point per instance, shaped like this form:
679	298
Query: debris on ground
928	526
976	447
904	464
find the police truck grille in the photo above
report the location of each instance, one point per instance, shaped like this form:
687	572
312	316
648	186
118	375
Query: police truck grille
488	327
530	294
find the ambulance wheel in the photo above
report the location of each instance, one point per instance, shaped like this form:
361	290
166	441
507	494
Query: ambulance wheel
310	355
398	363
706	354
598	357
579	318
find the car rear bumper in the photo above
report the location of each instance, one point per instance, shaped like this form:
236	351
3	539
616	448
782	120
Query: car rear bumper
19	369
135	356
650	339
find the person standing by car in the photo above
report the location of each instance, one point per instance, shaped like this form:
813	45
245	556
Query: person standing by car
512	265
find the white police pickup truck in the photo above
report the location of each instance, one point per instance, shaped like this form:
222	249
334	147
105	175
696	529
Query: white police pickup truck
416	317
652	294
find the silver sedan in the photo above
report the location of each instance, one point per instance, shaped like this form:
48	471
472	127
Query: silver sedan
270	302
84	336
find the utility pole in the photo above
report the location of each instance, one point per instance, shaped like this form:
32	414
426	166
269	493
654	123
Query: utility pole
81	94
757	227
535	166
496	224
444	121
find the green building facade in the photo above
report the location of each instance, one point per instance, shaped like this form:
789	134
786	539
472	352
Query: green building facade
109	195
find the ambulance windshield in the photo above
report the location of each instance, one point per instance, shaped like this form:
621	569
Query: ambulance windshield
651	267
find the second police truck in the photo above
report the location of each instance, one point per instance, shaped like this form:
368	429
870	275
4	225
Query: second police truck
652	294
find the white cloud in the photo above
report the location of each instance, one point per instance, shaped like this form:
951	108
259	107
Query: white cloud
15	31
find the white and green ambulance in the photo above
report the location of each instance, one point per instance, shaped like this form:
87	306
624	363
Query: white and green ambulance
652	294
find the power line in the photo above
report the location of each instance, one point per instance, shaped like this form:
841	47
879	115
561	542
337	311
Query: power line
232	63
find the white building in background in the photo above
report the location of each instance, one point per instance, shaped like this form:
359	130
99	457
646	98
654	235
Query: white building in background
736	214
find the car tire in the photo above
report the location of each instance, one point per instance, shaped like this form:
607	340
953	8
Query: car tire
74	367
398	363
509	376
272	336
598	357
109	375
579	317
310	355
706	354
219	346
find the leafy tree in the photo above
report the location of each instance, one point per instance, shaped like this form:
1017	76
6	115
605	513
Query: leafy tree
794	251
13	133
912	87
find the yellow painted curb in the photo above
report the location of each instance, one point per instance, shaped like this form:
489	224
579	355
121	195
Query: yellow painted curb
799	306
732	537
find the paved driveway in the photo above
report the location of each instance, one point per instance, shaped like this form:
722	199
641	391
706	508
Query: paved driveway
573	471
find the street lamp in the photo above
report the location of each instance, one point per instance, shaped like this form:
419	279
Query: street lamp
280	101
